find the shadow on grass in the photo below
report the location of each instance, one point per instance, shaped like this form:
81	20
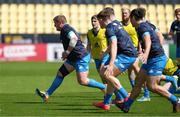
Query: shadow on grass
37	103
70	109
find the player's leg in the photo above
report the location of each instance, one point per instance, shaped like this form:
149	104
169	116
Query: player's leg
98	67
122	63
133	71
131	76
82	70
153	85
156	65
146	94
139	81
172	79
64	70
177	73
105	104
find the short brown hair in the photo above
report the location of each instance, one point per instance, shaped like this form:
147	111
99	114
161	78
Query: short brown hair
143	11
93	17
177	10
137	13
60	18
106	13
109	10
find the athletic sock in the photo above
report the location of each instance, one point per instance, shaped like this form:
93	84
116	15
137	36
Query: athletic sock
123	92
56	83
118	95
172	80
146	92
172	89
173	98
107	99
95	84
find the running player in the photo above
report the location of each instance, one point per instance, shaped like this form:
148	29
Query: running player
134	69
97	43
166	77
122	55
154	61
76	58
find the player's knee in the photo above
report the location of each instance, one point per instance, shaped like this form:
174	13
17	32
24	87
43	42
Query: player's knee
83	81
152	87
63	71
106	77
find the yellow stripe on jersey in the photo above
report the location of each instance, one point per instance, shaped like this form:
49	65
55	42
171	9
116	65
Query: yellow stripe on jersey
98	43
132	33
170	67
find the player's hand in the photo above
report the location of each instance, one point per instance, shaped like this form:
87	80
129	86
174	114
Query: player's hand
109	70
143	58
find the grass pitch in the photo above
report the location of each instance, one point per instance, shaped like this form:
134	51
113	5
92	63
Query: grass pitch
18	81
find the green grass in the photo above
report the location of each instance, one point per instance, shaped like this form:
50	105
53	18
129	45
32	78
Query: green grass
18	81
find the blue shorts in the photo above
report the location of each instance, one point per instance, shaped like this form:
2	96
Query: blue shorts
102	61
81	65
177	52
123	62
155	66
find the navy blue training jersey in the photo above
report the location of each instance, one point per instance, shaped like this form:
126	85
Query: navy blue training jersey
156	48
79	50
151	25
175	27
124	43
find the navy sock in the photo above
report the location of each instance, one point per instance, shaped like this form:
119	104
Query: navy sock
146	92
107	99
95	84
56	83
173	98
172	90
118	95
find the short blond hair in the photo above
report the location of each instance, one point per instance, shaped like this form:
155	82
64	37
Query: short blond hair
60	18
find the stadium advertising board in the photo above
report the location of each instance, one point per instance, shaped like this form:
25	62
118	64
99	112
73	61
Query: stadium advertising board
54	52
23	52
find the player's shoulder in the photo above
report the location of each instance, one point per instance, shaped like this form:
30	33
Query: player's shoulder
144	26
175	22
89	31
102	30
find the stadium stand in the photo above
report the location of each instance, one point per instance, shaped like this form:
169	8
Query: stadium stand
35	16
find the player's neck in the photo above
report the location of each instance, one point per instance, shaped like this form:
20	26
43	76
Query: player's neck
96	29
126	22
139	22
